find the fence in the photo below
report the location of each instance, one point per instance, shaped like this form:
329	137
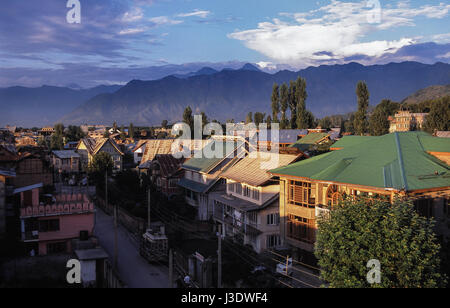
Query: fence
135	225
111	279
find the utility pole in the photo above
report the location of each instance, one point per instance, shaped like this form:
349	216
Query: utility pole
287	264
170	268
148	207
219	260
115	220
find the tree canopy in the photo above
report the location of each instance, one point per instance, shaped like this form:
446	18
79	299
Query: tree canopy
360	123
355	232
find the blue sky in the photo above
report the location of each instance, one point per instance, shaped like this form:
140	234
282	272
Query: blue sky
38	46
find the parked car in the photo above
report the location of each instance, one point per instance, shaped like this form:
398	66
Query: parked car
281	268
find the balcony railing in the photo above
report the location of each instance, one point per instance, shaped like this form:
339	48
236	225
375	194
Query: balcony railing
56	209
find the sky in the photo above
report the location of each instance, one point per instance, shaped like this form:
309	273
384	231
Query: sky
119	40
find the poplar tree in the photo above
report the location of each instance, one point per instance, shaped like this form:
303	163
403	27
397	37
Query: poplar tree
284	102
361	124
292	104
275	102
301	95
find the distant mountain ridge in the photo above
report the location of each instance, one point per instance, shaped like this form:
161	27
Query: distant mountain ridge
428	93
231	94
44	105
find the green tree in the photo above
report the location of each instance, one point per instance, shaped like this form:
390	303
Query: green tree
164	123
293	104
57	138
269	121
275	102
249	118
188	118
378	121
123	135
348	124
74	133
356	231
325	123
301	95
439	116
204	119
97	168
259	118
360	124
131	131
284	104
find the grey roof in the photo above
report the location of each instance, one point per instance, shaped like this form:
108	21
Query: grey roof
285	135
10	173
241	204
91	254
66	154
192	185
26	188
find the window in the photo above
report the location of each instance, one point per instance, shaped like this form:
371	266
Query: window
256	194
238	188
56	247
273	219
252	218
273	240
231	187
333	196
302	194
300	228
49	225
246	191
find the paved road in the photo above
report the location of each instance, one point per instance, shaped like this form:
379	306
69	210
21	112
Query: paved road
135	271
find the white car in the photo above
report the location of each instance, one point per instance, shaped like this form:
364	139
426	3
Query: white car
281	268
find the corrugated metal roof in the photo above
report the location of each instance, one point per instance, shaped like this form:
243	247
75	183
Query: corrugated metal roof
398	160
66	154
253	171
285	135
311	139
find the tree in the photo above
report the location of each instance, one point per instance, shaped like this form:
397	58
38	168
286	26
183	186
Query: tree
164	123
269	121
301	95
259	118
275	102
292	104
360	123
356	231
123	135
284	103
188	118
204	119
378	121
439	116
114	127
325	123
97	168
348	124
249	118
57	138
74	133
131	131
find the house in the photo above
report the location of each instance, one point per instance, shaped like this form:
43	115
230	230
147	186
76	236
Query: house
410	164
202	172
49	226
66	161
311	141
32	168
248	209
5	185
139	150
404	121
88	147
26	141
47	131
285	138
165	171
442	134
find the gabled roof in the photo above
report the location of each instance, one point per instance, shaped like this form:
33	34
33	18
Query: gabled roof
347	141
204	163
399	161
285	135
311	139
156	146
65	154
169	165
253	171
94	145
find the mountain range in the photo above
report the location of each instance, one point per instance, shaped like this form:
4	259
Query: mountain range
224	94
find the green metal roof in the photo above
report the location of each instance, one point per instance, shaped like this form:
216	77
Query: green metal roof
397	160
347	141
307	141
205	164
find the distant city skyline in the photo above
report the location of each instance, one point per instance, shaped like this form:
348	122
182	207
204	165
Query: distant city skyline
119	40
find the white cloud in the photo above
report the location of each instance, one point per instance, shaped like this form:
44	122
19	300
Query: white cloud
197	13
333	32
164	20
445	56
134	15
131	31
441	38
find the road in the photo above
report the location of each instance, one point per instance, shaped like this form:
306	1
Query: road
135	271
